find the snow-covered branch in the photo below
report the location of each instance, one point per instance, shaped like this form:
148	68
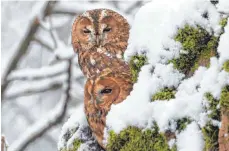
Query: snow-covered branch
44	44
41	126
39	73
32	87
24	43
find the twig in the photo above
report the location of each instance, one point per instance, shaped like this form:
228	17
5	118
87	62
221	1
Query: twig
43	125
54	37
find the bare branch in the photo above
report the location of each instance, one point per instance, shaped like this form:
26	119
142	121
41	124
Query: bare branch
43	125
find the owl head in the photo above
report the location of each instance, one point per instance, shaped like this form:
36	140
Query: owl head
109	88
98	28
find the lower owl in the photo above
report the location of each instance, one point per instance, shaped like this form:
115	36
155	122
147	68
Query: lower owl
110	87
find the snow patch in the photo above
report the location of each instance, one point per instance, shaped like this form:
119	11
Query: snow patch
153	31
76	121
190	139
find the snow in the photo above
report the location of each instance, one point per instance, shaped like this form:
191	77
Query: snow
171	143
224	45
190	139
64	52
153	29
155	33
76	121
77	128
223	6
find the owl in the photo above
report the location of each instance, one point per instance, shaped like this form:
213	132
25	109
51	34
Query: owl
110	87
98	36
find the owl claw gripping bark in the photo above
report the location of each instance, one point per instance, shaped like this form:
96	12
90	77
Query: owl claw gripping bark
100	38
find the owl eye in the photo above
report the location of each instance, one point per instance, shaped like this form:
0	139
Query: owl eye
107	29
106	91
86	31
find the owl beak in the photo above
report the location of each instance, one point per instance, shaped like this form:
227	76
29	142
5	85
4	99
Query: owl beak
97	40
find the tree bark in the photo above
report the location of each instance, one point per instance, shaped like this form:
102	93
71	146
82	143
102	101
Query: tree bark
224	132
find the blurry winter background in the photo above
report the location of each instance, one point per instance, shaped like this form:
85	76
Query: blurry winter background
41	80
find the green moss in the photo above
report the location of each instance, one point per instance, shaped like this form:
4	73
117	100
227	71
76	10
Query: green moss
226	66
223	22
76	145
210	132
182	124
136	139
164	94
174	148
198	45
224	98
215	113
136	62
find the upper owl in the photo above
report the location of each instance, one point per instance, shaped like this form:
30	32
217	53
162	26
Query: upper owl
100	28
100	38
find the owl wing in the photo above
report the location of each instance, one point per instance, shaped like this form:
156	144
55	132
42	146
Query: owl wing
95	120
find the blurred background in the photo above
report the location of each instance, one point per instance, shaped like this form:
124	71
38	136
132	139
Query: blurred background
41	83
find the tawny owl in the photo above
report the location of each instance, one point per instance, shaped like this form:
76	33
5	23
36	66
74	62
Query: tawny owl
110	87
98	36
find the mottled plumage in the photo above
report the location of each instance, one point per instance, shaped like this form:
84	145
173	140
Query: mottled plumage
100	35
94	62
100	38
110	87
